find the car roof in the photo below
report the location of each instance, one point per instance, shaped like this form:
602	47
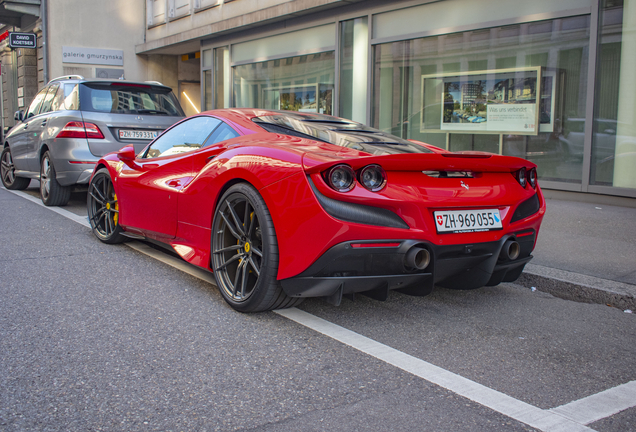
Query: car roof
81	79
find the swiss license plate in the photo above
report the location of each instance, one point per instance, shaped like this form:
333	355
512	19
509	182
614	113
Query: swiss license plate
458	221
136	134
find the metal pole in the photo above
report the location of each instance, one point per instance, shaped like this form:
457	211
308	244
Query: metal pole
2	109
45	42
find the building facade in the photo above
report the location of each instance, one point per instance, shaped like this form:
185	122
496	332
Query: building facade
90	38
548	80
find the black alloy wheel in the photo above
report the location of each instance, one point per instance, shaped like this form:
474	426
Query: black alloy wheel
245	252
103	208
51	192
7	171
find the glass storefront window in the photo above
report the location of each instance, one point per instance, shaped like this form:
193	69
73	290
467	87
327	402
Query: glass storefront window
206	63
354	49
207	90
221	77
614	131
303	83
448	91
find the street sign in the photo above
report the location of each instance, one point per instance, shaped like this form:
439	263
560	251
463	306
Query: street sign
22	40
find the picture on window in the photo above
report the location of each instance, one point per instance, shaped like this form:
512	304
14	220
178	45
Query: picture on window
304	98
498	101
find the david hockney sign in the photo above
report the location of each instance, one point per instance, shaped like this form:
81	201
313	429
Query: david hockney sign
92	56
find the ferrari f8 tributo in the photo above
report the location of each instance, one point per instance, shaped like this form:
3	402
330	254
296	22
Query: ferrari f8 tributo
282	205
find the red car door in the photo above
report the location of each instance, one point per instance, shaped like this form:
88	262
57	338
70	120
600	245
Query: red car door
148	194
149	190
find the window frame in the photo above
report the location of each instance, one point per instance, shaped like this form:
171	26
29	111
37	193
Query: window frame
187	124
36	110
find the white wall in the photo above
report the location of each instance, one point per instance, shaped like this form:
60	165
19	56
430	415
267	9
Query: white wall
104	24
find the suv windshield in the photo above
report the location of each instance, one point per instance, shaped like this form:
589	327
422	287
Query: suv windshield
128	98
341	132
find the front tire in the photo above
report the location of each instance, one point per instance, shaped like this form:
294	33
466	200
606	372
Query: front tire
245	252
103	208
7	171
51	192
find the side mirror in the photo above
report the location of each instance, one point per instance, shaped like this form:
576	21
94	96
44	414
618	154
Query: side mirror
19	116
127	155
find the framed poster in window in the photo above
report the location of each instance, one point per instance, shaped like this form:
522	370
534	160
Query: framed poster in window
314	98
509	101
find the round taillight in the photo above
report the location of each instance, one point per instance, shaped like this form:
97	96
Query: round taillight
532	177
372	177
341	178
521	177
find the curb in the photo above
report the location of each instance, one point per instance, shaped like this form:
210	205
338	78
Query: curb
577	287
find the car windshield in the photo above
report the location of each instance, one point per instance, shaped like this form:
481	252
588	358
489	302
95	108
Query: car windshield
341	132
129	98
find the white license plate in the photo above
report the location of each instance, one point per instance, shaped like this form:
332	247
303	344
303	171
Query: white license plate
135	134
457	221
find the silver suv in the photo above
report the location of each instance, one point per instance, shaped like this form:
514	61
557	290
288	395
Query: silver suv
72	122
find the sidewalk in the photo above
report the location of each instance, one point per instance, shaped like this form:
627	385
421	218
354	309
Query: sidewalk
586	251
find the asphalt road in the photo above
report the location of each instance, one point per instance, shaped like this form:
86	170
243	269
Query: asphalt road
99	337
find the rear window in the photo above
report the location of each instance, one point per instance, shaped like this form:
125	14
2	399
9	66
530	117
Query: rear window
125	98
337	131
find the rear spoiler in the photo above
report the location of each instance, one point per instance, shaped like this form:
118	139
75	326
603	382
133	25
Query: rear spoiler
480	162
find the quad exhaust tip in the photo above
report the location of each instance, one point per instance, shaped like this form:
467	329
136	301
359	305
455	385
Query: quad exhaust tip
417	258
510	251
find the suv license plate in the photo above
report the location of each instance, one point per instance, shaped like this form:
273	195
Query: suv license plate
135	134
458	221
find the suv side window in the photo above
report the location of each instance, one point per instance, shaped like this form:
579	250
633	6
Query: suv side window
70	97
34	108
57	103
46	104
187	136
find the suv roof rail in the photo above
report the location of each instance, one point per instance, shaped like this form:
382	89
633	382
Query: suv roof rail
154	82
66	77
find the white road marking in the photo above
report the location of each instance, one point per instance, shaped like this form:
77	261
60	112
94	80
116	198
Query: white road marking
497	401
177	263
569	417
601	405
82	220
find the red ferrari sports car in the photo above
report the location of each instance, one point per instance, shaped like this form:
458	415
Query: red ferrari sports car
283	205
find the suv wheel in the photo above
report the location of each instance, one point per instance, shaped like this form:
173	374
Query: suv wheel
7	171
51	192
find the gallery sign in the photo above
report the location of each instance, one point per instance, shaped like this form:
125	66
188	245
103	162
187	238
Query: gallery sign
22	40
94	56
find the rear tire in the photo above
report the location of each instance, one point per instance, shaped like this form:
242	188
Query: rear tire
51	192
7	170
245	252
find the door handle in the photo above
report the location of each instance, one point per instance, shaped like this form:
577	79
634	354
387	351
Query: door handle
43	123
174	183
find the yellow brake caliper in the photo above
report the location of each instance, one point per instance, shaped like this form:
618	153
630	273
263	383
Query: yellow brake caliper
116	215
